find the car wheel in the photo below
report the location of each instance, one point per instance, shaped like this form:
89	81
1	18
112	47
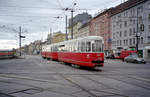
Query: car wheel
144	62
137	62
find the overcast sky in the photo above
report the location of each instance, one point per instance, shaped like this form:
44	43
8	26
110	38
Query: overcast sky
36	17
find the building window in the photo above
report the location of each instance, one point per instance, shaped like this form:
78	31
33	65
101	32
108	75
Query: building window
148	39
149	17
117	34
120	25
120	34
117	42
141	40
113	25
133	40
130	21
125	23
140	9
134	21
148	5
120	42
130	32
140	19
113	35
130	41
125	33
124	41
127	42
133	12
134	31
117	23
149	28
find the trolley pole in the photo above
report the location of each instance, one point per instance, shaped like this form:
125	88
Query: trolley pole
66	29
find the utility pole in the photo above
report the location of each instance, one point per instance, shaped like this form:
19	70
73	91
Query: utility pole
20	36
66	29
137	36
20	39
72	10
72	23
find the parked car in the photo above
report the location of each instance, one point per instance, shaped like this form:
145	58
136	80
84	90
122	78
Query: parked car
134	58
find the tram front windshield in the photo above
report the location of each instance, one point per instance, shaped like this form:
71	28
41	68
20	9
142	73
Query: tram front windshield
97	46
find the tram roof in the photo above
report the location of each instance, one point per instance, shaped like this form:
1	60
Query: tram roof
79	39
147	47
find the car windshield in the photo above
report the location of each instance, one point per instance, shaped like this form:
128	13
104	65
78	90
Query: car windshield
134	55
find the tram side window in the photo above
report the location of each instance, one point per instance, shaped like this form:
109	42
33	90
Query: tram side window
75	47
79	47
93	48
83	46
97	46
88	46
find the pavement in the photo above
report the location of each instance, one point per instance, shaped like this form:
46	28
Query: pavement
33	76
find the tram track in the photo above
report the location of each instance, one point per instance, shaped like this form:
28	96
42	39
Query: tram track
124	75
81	87
28	78
105	86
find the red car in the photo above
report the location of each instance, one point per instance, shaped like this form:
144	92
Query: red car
125	53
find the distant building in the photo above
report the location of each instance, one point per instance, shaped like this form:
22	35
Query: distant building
83	18
49	38
76	27
84	30
58	37
33	48
78	21
127	20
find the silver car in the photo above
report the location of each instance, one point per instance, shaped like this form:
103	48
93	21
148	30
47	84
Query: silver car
134	58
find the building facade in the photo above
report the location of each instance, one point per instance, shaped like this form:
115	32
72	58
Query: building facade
58	37
101	26
129	20
84	30
76	26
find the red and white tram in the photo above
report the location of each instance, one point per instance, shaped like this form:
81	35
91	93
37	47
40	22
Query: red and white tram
87	51
7	53
50	51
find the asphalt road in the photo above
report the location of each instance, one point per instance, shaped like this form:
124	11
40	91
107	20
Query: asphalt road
37	77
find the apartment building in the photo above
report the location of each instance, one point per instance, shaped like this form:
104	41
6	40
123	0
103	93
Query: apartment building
129	20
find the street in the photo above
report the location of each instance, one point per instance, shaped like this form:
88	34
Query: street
33	76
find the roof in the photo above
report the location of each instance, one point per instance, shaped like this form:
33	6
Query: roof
84	25
109	11
126	5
